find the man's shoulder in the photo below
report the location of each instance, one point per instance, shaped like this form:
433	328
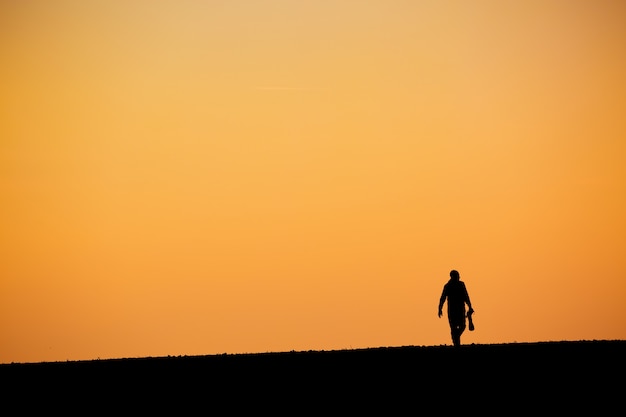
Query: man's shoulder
455	284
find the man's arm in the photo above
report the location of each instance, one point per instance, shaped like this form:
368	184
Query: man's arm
442	299
467	300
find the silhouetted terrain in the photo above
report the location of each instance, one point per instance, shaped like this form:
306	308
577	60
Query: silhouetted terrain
581	376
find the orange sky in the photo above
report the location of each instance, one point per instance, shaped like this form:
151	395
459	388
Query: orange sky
200	177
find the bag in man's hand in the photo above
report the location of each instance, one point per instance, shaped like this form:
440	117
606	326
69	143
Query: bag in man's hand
469	319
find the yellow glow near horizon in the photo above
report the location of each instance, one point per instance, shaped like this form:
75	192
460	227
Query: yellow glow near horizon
198	177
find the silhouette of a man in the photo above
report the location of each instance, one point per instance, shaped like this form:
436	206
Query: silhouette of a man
456	293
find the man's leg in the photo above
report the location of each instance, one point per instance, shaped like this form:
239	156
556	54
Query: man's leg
461	328
456	336
457	326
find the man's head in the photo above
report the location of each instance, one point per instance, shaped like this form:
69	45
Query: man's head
454	274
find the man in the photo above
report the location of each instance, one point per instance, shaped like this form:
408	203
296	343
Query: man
456	293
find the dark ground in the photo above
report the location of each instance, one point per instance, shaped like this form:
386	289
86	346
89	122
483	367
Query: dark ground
537	378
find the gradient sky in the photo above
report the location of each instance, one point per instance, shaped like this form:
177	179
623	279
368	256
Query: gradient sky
198	177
